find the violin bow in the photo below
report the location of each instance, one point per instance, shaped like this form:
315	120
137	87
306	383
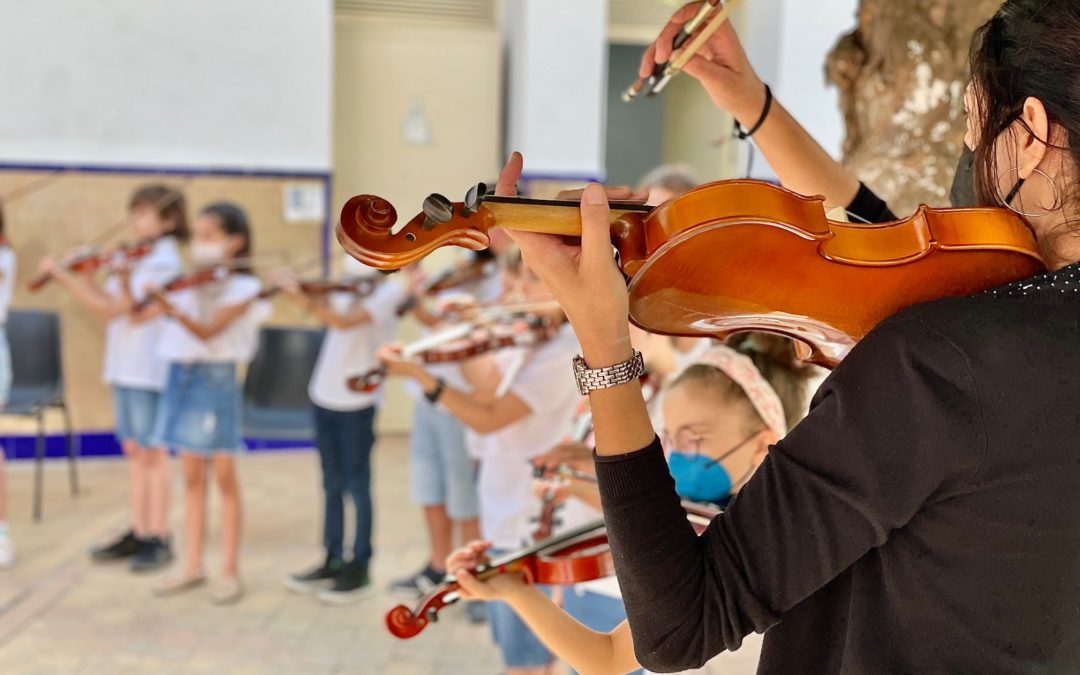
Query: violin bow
663	72
29	188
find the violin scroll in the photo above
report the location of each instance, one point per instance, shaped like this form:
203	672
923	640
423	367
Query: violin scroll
366	230
367	383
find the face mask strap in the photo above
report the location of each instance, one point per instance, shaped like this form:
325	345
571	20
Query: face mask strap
1008	200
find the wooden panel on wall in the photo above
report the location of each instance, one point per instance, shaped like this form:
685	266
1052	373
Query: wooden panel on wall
76	206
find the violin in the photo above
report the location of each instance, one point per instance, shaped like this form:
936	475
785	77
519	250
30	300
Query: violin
202	276
549	508
92	259
471	271
579	555
463	342
738	256
356	286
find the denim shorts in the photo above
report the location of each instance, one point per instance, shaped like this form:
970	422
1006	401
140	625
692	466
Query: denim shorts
136	414
440	469
5	367
200	409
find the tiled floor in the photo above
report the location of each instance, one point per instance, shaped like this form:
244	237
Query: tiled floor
61	614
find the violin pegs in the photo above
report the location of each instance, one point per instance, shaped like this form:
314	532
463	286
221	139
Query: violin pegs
437	211
474	198
432	615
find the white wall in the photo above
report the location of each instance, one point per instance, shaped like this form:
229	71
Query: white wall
223	83
788	42
557	51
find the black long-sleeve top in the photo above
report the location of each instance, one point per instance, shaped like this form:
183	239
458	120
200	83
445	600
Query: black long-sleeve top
924	518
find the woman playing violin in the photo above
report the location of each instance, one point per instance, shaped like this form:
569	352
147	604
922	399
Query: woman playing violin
923	517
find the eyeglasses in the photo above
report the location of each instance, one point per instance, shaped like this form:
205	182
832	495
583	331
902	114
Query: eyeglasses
689	443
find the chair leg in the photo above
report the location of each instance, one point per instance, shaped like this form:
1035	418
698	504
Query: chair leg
39	465
73	471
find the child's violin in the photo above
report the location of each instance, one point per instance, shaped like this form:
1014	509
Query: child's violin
576	556
92	259
737	256
199	277
355	286
463	342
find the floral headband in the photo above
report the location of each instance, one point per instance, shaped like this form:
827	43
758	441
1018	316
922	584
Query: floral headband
745	374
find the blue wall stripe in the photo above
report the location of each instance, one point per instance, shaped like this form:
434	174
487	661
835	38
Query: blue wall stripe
103	444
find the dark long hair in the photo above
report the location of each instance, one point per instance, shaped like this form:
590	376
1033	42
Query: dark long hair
1029	48
233	220
169	204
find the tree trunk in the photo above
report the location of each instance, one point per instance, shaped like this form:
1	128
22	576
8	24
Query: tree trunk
902	75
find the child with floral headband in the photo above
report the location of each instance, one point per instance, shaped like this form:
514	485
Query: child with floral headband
720	417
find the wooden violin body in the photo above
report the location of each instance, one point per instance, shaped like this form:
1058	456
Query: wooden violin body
742	255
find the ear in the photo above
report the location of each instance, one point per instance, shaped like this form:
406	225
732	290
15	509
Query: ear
235	243
761	446
1033	146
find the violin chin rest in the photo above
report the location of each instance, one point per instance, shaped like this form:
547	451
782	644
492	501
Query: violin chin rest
403	624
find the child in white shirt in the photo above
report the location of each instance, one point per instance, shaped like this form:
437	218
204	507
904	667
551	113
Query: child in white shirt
212	329
133	369
530	411
345	425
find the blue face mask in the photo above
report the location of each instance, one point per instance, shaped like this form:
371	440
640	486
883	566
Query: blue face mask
703	479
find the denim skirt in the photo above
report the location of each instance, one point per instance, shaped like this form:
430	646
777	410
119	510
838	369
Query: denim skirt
200	409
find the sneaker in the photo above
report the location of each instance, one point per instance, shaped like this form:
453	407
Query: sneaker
351	584
124	547
179	583
7	550
154	554
227	591
421	583
476	611
314	579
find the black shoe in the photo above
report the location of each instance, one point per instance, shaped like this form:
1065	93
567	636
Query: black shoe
314	579
124	547
350	585
154	553
477	612
418	584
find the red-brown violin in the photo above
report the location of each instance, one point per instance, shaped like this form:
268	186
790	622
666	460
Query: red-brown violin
94	259
360	287
574	557
463	342
201	276
737	256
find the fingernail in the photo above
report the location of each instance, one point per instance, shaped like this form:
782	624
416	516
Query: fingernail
594	194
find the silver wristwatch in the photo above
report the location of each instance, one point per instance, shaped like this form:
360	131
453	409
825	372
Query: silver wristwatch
591	379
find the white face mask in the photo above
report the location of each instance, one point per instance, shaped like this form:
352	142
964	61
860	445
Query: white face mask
208	252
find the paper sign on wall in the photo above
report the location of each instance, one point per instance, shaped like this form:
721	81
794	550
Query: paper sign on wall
304	203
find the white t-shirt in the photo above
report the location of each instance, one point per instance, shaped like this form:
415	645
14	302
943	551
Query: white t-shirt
352	351
484	290
8	265
131	354
544	380
240	339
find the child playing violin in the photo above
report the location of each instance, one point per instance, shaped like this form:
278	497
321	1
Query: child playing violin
442	475
520	406
133	367
345	426
7	288
721	415
211	330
